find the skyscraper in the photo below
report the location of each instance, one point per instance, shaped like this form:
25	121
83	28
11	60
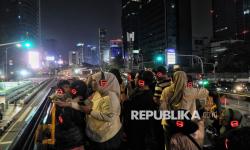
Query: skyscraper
103	45
158	25
130	24
19	20
165	25
231	19
74	58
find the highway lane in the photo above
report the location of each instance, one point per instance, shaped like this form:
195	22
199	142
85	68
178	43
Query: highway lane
23	117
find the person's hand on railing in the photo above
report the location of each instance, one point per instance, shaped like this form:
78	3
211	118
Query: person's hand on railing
63	103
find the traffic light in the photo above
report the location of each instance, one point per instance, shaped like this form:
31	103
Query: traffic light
203	82
159	59
25	44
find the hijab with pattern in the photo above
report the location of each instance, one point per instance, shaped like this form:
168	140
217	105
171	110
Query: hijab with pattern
180	81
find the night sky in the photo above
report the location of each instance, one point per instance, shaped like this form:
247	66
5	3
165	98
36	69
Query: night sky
201	18
73	21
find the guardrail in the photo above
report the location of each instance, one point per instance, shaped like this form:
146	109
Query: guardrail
26	137
29	97
233	94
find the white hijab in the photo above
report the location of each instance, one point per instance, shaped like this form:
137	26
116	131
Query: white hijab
112	82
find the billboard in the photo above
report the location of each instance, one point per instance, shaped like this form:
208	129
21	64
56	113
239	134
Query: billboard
171	56
34	60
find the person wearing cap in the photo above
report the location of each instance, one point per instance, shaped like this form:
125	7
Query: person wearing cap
229	119
186	134
162	81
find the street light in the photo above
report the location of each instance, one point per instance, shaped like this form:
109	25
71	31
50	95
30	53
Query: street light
18	45
24	73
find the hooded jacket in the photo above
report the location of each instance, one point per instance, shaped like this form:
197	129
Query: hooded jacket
103	123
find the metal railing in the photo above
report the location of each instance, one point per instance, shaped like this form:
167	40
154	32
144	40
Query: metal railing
26	137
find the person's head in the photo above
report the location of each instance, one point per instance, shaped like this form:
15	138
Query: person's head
79	89
180	82
180	77
132	76
104	82
138	76
161	73
230	118
117	74
147	77
236	139
185	126
64	85
176	68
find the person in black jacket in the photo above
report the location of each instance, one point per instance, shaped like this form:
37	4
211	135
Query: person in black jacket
140	132
70	123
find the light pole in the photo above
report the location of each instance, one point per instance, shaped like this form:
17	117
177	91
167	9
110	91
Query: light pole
6	62
198	57
214	66
12	43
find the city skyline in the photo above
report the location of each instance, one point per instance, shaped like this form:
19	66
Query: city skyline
82	24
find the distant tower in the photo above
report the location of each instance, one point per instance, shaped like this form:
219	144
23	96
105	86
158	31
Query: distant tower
74	58
103	46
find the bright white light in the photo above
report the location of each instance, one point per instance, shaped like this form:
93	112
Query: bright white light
136	51
50	58
34	59
77	71
18	45
80	44
27	45
60	62
238	88
24	73
246	12
2	76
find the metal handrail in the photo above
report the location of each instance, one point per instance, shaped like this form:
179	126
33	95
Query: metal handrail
26	139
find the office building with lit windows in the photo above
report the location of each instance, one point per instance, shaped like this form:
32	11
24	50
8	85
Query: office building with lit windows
19	20
231	19
130	24
158	25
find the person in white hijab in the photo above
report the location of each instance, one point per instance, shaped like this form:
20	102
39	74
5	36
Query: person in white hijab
103	111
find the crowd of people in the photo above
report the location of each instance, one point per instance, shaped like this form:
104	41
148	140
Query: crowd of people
96	114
